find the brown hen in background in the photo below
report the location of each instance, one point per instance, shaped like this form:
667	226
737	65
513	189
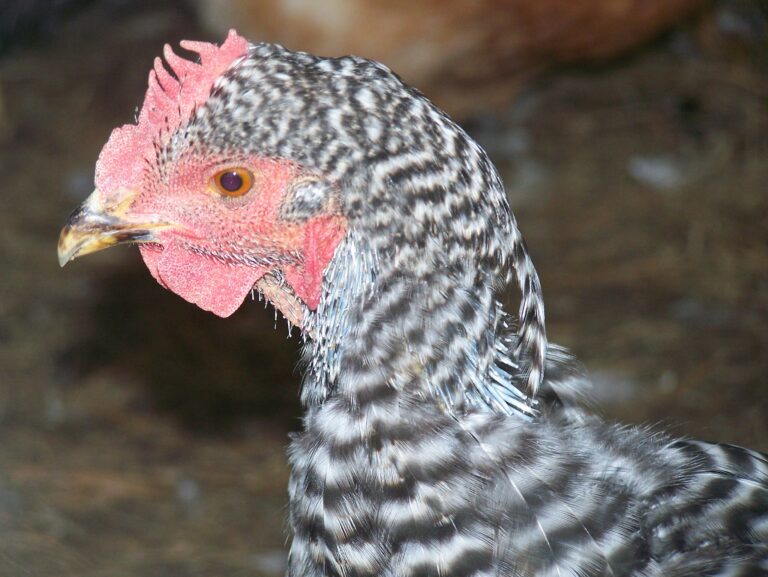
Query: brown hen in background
464	54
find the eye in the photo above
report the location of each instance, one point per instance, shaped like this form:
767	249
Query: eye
232	181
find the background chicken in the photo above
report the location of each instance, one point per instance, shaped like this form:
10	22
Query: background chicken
465	55
430	444
135	437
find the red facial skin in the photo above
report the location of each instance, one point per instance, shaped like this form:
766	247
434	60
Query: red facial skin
217	247
201	257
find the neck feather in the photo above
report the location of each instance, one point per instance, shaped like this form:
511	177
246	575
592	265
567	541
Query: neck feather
439	335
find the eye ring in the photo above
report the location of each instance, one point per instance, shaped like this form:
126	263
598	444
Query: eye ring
232	182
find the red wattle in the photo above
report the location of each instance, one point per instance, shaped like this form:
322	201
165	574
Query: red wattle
210	284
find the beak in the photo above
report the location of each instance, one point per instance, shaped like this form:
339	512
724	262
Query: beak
98	224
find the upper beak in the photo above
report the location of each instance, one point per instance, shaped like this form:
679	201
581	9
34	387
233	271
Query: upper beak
98	224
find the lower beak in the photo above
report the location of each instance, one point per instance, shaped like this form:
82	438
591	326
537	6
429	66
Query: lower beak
97	224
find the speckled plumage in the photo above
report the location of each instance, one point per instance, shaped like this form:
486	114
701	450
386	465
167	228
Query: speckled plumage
423	452
435	442
413	186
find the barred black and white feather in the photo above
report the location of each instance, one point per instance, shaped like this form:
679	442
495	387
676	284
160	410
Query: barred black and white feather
436	441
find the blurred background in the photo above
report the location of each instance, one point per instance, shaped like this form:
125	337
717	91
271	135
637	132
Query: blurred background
143	437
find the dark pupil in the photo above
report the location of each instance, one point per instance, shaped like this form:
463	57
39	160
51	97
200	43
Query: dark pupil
231	181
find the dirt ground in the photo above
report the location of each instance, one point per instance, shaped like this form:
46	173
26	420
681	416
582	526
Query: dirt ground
142	437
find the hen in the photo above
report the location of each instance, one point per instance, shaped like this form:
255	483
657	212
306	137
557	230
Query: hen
435	441
465	54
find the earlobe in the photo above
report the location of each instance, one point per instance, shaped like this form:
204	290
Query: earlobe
321	237
308	197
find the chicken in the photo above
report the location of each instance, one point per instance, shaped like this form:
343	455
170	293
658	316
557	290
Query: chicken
437	438
464	54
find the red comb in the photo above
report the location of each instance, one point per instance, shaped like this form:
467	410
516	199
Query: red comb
170	100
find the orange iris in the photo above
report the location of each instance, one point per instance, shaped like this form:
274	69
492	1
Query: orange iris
232	181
